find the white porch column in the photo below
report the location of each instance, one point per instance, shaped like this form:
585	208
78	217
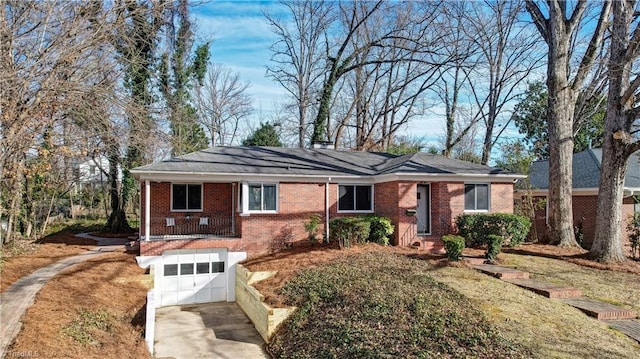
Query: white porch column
244	210
326	209
147	210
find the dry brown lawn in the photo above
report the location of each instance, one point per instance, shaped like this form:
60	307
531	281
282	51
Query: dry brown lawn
23	257
549	328
95	309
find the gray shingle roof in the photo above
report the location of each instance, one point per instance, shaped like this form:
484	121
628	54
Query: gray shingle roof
312	162
586	171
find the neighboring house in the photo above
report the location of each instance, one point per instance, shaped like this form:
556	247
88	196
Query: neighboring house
209	209
93	171
586	181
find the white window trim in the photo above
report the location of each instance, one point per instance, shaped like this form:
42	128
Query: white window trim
188	210
245	198
488	199
373	205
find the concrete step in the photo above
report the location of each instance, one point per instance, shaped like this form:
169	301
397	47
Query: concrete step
600	310
501	272
474	260
630	327
546	289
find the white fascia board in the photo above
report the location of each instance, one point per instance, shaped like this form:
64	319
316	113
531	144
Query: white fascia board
146	261
574	192
437	177
164	176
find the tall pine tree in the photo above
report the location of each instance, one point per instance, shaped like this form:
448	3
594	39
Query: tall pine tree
178	72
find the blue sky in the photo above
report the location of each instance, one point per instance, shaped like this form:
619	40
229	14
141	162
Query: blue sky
241	38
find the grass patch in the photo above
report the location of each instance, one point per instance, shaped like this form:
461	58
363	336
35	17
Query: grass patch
381	305
549	328
617	288
89	325
76	226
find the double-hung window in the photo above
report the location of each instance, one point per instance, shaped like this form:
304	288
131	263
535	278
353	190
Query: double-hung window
355	198
186	197
476	197
262	197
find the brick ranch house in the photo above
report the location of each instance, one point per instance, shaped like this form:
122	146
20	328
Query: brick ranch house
228	203
586	181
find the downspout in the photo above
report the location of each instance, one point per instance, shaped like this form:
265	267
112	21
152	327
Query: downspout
326	209
233	208
147	210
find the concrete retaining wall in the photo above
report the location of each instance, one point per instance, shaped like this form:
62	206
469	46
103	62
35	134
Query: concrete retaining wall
265	318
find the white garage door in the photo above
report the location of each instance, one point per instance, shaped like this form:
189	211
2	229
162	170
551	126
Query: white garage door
194	276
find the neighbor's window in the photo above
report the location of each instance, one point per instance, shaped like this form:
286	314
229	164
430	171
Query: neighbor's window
355	198
476	197
186	197
262	197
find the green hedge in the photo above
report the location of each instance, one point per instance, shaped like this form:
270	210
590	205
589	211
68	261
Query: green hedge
453	245
494	244
475	228
359	229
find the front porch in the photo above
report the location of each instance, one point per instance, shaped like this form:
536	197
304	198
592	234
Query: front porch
190	227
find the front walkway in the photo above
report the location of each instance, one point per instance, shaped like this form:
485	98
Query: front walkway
616	317
20	295
212	330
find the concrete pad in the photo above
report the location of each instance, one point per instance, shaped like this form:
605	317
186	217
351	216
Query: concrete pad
212	330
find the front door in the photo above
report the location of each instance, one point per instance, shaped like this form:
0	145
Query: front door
423	210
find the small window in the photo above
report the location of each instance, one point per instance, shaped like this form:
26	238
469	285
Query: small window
355	198
186	268
186	197
476	197
217	267
202	268
262	197
170	270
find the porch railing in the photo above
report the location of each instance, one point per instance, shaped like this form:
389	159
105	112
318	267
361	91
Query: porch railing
192	226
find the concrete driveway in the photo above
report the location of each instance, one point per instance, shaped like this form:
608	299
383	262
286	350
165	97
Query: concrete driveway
212	330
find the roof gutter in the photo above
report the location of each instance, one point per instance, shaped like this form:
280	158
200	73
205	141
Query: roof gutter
166	176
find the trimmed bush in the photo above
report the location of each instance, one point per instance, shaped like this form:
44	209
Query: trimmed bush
494	244
381	229
476	228
453	245
359	229
349	230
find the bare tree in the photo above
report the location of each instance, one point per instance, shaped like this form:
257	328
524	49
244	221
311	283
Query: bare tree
411	27
560	29
297	55
222	103
385	97
50	53
621	130
507	55
454	77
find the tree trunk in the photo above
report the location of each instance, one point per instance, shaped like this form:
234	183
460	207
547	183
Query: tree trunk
117	221
561	102
607	244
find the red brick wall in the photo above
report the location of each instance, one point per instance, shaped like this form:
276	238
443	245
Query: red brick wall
392	200
297	202
259	233
584	214
501	198
216	202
